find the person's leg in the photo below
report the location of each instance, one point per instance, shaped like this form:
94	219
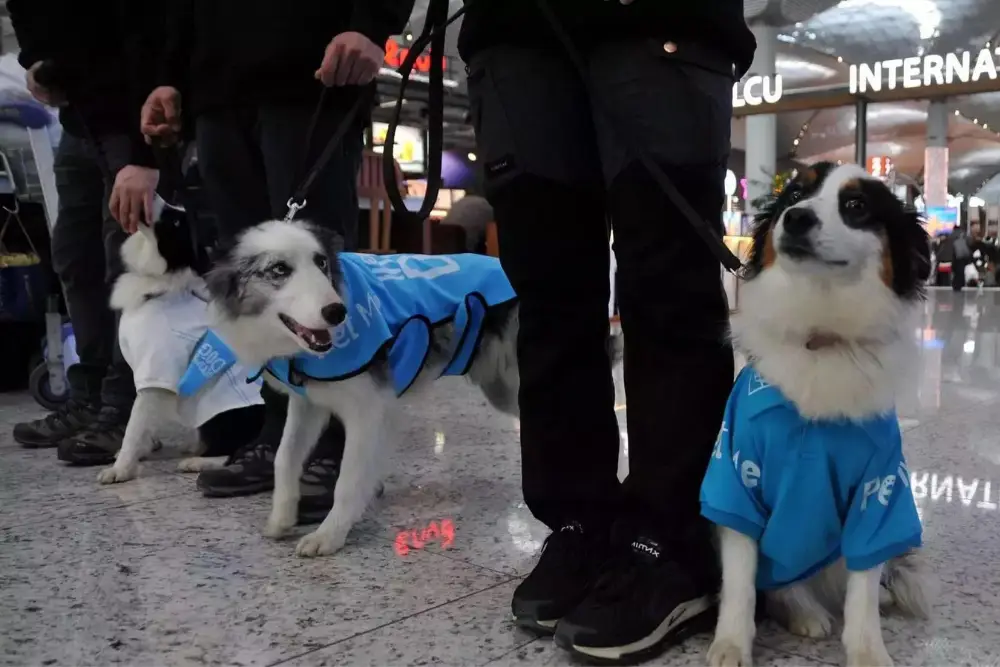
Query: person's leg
99	443
232	171
536	142
678	363
78	260
333	204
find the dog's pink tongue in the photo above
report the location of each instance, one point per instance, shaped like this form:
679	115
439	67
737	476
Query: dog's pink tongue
819	341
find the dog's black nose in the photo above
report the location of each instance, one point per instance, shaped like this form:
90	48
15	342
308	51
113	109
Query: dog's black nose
334	313
798	221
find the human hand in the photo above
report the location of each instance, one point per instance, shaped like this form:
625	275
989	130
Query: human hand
44	95
161	115
132	196
351	59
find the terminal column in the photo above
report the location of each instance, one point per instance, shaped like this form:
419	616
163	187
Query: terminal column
936	154
762	130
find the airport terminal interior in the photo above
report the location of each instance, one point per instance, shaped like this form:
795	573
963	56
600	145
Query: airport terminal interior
153	573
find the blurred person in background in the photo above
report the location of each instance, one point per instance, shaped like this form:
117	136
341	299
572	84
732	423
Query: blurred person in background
629	568
245	76
87	58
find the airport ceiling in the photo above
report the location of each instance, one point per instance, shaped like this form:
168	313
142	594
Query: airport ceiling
818	39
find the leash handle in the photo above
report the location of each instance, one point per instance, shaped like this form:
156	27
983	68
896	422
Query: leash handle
298	201
435	27
701	226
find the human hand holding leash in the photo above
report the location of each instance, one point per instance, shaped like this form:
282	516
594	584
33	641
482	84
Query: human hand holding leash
161	116
43	94
131	201
351	59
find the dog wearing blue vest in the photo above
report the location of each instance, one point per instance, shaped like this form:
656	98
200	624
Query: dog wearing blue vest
350	335
164	313
807	482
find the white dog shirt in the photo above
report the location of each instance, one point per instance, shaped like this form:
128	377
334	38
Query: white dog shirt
158	339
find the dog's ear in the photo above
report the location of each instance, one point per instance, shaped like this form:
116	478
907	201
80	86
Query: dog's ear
762	224
226	287
921	247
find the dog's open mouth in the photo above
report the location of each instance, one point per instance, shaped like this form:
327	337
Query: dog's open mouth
317	340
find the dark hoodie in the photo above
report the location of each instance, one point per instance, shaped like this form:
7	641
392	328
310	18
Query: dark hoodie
236	53
717	25
101	56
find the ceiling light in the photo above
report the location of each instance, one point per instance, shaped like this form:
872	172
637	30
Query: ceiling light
472	157
840	59
957	112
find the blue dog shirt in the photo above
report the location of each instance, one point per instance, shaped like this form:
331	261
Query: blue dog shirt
393	303
809	492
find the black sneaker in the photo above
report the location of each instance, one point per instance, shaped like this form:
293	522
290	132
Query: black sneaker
317	484
570	560
248	470
49	431
643	604
97	443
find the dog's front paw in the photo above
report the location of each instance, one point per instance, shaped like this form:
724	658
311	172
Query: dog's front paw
727	652
814	624
115	475
872	654
318	543
278	526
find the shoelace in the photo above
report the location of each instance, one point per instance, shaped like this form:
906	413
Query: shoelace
252	453
625	573
321	467
63	415
108	421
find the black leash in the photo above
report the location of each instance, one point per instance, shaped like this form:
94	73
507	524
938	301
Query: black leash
433	34
435	27
366	96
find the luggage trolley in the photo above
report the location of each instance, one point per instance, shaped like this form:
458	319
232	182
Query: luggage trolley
27	172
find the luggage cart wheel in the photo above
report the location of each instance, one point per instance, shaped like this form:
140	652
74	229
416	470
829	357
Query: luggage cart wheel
41	389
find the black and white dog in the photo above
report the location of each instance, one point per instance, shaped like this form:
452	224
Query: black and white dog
283	299
164	312
807	483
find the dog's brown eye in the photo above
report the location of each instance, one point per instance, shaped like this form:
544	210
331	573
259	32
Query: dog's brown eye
856	204
795	195
321	262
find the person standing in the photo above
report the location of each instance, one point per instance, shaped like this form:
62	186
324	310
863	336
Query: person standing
629	568
246	76
84	58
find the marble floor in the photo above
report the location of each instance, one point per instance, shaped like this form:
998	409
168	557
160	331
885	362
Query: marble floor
151	573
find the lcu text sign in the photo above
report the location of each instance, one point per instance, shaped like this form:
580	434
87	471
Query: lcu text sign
757	90
919	72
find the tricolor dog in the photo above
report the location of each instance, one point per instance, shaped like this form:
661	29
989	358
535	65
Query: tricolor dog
164	314
349	334
807	483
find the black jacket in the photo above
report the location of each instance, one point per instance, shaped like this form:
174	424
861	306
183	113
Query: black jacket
233	53
716	24
102	56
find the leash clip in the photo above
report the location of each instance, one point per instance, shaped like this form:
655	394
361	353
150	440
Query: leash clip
293	208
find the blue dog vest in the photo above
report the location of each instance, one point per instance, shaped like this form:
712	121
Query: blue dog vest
807	491
393	303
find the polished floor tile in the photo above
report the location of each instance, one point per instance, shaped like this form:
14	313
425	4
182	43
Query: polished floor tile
151	573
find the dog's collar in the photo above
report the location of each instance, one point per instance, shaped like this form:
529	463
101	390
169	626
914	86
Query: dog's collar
820	340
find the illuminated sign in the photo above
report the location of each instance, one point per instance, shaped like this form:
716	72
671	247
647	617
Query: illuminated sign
443	533
930	70
408	149
395	54
757	90
880	166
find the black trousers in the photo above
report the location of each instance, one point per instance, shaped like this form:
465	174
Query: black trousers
558	175
85	255
250	161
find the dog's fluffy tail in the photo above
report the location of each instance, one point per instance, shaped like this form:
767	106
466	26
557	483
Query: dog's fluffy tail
908	583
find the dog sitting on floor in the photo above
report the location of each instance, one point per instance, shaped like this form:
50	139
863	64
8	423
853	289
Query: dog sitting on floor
164	314
350	334
807	483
